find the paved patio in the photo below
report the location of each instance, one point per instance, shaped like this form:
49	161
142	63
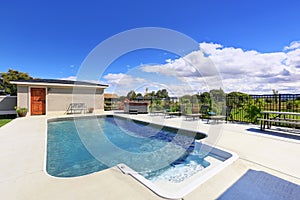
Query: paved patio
23	176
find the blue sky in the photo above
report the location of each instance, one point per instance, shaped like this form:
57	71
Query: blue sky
50	39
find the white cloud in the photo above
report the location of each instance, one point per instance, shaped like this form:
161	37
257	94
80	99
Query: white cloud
293	45
240	70
245	71
70	78
74	78
191	65
210	48
255	72
120	78
122	83
235	61
293	58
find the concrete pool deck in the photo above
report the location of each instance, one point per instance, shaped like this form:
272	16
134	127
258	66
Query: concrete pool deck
23	176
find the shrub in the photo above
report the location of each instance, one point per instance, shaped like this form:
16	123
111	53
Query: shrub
252	112
21	111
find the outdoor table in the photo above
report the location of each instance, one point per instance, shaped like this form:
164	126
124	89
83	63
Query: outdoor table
280	118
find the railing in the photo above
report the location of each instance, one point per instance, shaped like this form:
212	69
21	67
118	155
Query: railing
248	107
244	108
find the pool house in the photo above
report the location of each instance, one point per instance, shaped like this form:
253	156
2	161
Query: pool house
46	96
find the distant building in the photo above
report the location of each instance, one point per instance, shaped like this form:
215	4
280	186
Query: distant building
111	102
137	107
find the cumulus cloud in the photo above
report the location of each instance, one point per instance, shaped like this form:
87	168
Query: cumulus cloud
293	58
195	71
122	83
241	70
120	78
293	45
255	72
70	78
193	65
285	72
210	48
74	78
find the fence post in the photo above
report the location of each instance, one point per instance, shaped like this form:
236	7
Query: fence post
279	102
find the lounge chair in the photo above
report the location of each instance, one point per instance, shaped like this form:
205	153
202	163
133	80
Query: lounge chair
204	111
156	112
193	116
76	108
226	111
201	114
171	114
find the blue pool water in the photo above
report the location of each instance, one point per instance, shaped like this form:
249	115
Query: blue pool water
84	146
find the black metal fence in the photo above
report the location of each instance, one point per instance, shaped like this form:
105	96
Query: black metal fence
247	108
244	108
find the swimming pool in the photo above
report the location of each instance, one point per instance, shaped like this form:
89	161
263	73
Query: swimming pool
153	154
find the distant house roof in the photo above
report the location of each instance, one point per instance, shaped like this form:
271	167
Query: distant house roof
110	96
57	82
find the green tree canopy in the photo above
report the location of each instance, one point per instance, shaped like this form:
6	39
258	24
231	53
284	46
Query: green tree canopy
204	98
139	95
164	93
237	99
238	94
218	95
12	75
151	94
131	95
186	98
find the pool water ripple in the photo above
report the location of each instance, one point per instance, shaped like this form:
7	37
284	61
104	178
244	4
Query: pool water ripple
67	156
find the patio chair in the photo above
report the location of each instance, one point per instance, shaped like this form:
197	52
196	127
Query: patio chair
169	114
226	112
154	111
76	108
204	111
193	116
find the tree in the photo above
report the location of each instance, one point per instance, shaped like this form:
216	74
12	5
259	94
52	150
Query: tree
158	94
253	111
237	99
146	94
204	98
131	95
122	98
164	93
12	75
139	96
186	98
275	93
151	94
218	95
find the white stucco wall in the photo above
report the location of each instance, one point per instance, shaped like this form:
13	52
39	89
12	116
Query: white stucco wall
23	96
58	98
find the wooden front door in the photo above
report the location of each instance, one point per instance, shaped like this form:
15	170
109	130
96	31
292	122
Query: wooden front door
38	101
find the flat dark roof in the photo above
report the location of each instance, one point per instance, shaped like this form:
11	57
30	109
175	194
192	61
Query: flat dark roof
57	81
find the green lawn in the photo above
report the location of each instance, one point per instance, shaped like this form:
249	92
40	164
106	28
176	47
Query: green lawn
4	121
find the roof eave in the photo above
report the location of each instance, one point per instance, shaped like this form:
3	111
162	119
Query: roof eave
59	84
